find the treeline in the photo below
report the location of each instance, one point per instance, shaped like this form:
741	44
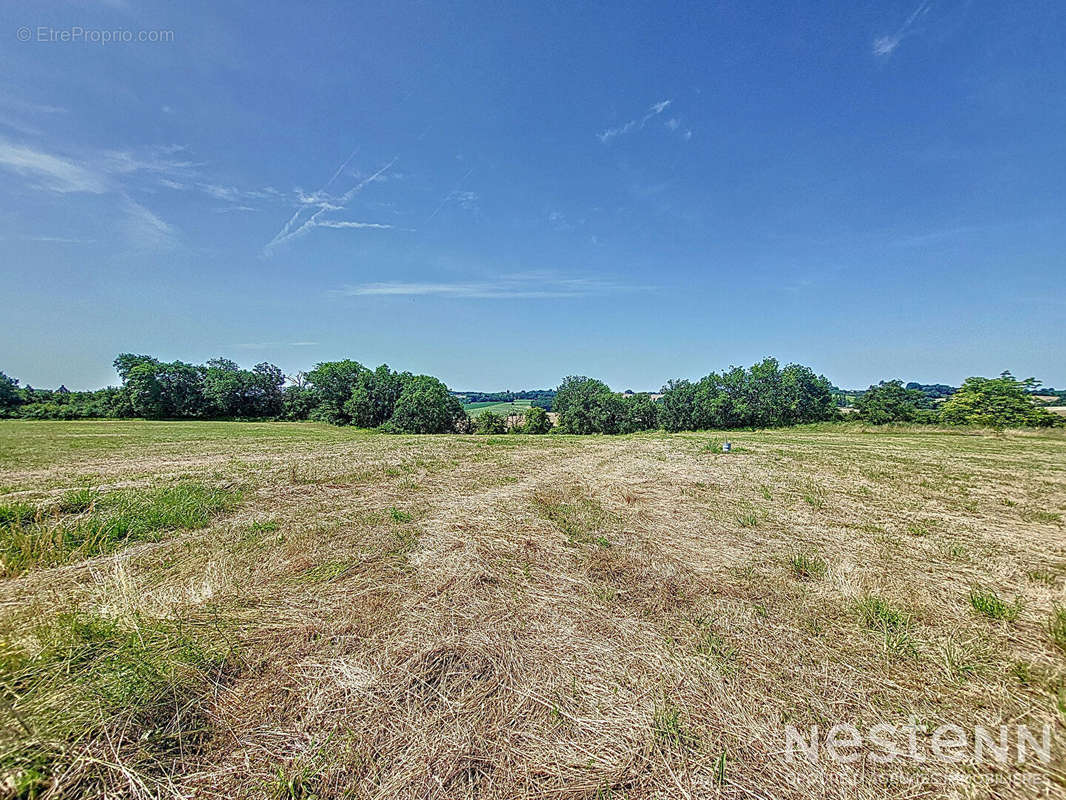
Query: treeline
1003	402
339	392
765	395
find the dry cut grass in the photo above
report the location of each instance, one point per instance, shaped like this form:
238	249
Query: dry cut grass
295	611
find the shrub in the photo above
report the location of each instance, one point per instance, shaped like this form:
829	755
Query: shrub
888	402
426	406
1001	402
640	414
536	421
489	422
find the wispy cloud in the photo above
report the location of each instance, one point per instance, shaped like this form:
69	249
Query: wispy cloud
130	175
145	230
271	345
308	215
48	239
525	285
141	227
884	46
16	104
634	124
340	223
50	172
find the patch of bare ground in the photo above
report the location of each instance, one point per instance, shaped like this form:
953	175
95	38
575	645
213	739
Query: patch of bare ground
501	617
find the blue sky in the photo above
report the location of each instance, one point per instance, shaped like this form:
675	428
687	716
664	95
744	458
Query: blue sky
502	194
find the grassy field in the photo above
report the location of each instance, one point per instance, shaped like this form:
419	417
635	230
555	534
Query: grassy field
301	611
517	407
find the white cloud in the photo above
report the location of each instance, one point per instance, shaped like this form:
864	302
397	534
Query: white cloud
634	124
140	226
51	172
330	223
519	286
884	46
49	239
145	230
272	345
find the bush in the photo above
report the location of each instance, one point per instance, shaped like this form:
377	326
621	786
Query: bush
426	406
888	402
586	405
9	395
489	422
1002	402
640	414
537	421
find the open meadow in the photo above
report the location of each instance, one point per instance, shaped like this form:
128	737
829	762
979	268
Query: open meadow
506	409
295	610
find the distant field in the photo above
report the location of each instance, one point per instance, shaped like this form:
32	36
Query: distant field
517	407
294	610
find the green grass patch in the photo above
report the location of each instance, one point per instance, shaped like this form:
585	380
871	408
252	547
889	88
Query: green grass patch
987	602
17	513
892	624
1057	627
712	646
504	409
396	515
324	573
748	519
582	519
106	523
670	731
77	500
807	566
878	614
81	684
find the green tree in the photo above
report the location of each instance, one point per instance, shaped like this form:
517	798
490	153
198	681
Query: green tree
374	397
536	421
677	406
333	383
125	362
297	403
267	382
225	388
806	397
888	402
640	414
583	407
9	394
165	390
1002	402
426	406
489	422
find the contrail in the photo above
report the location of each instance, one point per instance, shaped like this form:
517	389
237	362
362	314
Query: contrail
448	196
287	233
